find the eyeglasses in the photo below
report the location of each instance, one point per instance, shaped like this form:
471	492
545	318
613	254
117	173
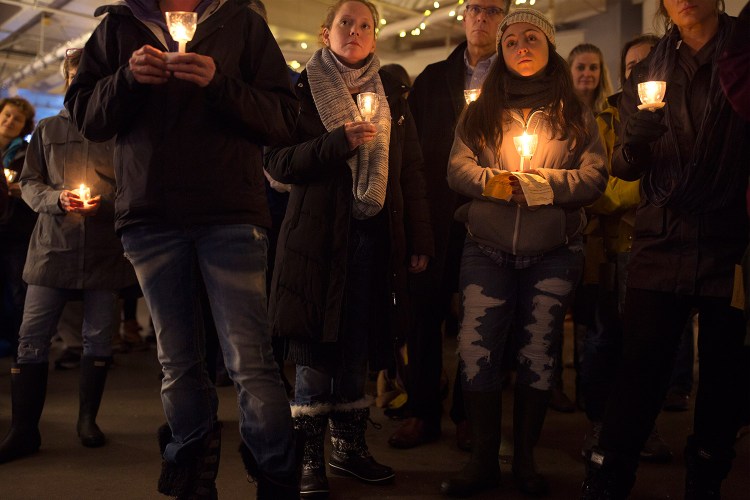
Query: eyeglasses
69	53
474	11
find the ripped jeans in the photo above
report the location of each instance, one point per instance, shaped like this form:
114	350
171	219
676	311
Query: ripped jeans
500	299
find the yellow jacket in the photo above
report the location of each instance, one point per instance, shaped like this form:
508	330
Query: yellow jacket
612	217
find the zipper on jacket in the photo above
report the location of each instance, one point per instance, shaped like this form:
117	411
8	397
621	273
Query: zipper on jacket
525	123
516	229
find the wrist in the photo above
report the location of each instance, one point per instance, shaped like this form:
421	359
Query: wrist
635	153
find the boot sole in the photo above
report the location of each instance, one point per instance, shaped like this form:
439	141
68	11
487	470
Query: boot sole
340	471
315	494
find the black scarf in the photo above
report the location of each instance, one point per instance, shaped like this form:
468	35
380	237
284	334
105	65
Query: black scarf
709	178
532	92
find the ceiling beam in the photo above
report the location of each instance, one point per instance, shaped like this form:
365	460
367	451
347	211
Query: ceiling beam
50	10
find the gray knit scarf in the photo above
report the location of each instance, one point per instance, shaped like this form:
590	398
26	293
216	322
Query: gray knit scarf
330	81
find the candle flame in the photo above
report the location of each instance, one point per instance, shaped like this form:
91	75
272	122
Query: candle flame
652	92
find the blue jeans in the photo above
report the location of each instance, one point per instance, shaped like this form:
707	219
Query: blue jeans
231	259
343	380
44	305
497	298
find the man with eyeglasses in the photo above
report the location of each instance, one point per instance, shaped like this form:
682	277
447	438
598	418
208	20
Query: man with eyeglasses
436	101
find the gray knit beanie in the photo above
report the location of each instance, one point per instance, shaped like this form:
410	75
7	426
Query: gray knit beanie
531	16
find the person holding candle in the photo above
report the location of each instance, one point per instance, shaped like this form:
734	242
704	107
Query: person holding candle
17	220
691	229
599	298
520	264
191	206
74	254
356	223
436	101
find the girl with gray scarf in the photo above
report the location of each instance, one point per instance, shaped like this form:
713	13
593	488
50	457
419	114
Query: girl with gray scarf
357	221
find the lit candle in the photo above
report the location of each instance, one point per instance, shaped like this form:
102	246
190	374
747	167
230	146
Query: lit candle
526	146
10	175
84	193
471	95
652	94
367	102
182	27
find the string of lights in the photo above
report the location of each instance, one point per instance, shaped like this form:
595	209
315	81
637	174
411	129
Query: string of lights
428	14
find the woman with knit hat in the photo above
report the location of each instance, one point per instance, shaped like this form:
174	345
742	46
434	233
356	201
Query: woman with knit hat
522	257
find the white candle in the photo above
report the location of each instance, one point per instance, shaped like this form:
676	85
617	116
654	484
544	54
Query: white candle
10	175
651	94
367	102
471	95
84	193
526	146
182	27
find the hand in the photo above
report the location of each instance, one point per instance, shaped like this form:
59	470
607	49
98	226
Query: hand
90	208
71	202
148	66
277	186
643	127
418	263
192	67
14	189
517	196
359	133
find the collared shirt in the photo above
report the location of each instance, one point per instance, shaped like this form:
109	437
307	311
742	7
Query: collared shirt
475	75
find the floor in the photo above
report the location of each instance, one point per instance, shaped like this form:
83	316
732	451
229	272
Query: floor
128	466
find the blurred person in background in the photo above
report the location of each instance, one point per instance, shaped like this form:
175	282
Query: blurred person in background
74	254
16	221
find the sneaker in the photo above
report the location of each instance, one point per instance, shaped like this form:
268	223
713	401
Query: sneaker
591	439
69	359
656	450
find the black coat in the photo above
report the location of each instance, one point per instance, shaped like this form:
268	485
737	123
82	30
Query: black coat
674	251
436	101
310	272
186	154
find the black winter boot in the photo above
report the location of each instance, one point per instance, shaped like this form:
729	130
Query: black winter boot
350	455
193	476
93	376
312	422
529	409
482	472
274	488
608	477
705	471
28	390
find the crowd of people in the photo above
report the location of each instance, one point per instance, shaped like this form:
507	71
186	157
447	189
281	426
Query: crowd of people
348	210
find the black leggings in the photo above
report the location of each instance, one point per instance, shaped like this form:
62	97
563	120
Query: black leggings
653	325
